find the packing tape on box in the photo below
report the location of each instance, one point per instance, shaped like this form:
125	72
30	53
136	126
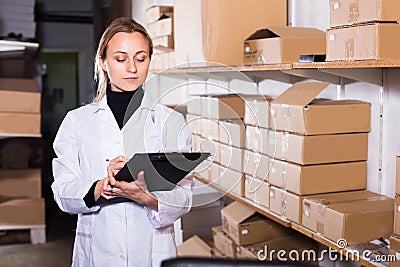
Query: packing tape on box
284	203
284	174
354	11
285	145
286	117
349	48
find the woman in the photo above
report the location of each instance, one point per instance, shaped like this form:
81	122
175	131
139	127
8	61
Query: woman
94	142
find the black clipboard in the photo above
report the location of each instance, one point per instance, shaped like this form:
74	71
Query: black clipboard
162	171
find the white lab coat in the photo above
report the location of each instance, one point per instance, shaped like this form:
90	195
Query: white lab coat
123	234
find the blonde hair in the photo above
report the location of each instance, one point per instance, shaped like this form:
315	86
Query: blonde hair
119	25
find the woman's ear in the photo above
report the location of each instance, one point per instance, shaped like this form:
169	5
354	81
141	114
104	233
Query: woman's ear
103	65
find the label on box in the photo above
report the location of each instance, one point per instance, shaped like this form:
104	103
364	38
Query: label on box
245	232
331	37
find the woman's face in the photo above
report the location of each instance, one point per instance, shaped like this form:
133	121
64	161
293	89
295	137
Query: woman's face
127	61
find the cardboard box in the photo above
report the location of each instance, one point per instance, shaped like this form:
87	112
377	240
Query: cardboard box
231	157
396	224
162	27
204	170
394	251
283	44
11	101
318	179
21	183
350	12
246	227
223	242
257	139
215	173
285	204
257	112
297	111
318	149
210	128
357	216
204	32
231	181
21	84
196	140
295	242
19	123
233	132
194	105
195	217
164	43
256	164
194	123
397	175
256	190
155	12
366	42
194	247
16	211
208	145
223	107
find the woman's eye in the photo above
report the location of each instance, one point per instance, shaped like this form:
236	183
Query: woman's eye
140	60
120	60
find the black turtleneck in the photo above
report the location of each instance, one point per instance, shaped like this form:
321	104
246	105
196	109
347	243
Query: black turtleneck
119	102
122	105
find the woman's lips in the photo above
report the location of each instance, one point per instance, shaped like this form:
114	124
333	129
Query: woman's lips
131	79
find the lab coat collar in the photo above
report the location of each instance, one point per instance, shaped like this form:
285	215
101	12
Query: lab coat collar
147	103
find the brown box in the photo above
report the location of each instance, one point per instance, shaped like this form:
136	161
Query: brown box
245	226
257	112
16	211
194	105
357	216
285	204
223	107
318	179
194	123
155	12
19	84
318	149
257	139
223	242
211	146
397	175
162	27
394	251
231	157
283	44
12	101
256	190
366	42
256	165
231	181
203	170
194	247
204	32
350	12
21	183
295	242
19	123
297	111
233	132
396	224
164	43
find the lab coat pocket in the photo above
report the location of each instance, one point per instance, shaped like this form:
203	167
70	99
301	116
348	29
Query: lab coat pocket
83	246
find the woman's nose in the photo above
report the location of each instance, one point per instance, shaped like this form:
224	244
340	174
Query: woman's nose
131	66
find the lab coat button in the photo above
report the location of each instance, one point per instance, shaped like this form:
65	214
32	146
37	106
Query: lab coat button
122	257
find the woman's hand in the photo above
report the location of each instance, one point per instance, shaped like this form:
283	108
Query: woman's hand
136	190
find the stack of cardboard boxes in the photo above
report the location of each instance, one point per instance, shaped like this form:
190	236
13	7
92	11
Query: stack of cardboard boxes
318	146
20	186
160	24
395	238
363	30
17	16
245	234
